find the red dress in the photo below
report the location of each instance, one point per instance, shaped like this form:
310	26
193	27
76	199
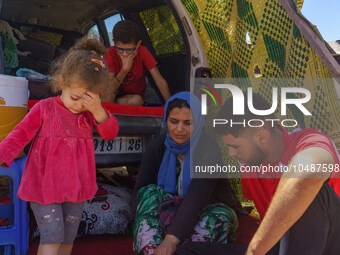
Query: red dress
134	82
61	165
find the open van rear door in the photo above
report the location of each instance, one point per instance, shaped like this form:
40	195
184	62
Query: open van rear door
199	66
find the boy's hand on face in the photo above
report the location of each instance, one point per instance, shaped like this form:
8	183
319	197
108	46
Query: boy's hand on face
127	60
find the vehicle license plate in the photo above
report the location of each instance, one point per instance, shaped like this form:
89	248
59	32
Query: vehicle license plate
122	144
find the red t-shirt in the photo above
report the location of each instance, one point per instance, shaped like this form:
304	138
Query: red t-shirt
134	82
261	190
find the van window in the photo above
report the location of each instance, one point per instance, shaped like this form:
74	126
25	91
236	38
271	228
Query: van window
93	33
162	30
53	38
110	22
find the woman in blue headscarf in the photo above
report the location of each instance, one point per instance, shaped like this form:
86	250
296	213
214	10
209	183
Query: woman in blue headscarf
171	207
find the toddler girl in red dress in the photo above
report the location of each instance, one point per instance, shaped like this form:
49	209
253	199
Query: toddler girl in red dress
60	171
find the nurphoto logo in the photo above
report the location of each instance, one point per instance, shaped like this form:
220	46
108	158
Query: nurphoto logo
239	104
213	94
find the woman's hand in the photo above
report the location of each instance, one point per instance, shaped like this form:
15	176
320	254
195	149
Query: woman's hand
168	246
92	103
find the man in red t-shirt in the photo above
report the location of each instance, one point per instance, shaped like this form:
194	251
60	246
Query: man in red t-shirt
286	175
129	61
261	190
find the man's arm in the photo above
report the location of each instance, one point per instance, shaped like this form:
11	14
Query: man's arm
297	193
160	82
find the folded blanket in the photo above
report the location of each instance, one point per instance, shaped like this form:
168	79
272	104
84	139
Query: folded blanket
31	74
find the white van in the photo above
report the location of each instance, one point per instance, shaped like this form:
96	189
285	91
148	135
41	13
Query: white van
51	27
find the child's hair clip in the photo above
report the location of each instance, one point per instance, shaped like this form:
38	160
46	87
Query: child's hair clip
99	62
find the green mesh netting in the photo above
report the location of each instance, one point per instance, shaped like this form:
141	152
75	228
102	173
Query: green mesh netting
298	4
163	30
241	36
274	46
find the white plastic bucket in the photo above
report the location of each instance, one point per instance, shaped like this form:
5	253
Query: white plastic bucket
13	102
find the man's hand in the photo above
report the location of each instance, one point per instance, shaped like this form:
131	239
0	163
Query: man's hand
127	61
297	193
92	103
168	246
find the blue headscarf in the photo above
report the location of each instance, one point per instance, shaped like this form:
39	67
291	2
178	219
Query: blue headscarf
167	172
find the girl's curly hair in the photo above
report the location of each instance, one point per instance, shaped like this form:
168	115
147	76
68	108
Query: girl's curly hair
83	63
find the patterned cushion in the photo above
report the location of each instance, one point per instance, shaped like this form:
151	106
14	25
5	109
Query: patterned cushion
108	212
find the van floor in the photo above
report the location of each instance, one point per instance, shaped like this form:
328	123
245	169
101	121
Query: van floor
122	245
